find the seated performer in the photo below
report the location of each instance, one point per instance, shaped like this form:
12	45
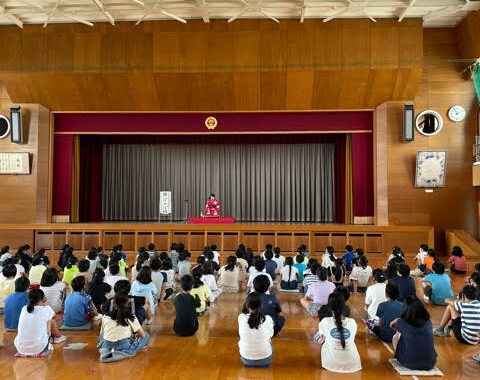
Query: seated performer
212	209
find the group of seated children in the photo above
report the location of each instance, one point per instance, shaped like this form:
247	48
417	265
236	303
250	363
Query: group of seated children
97	288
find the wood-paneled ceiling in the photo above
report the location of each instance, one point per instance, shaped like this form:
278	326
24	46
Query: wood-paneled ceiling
435	13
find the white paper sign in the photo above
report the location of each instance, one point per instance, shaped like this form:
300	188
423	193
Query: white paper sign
165	202
14	163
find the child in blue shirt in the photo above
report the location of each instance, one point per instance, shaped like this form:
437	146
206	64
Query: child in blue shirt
15	302
349	257
270	265
436	286
79	308
387	312
300	266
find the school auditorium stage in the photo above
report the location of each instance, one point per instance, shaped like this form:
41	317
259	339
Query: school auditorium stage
213	352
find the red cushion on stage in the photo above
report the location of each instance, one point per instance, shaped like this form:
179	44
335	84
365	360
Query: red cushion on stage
195	220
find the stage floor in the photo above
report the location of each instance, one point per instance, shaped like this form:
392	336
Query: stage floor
213	352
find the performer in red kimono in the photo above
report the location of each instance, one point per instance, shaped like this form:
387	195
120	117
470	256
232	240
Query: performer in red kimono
212	209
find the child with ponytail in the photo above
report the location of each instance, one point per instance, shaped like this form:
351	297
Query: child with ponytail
121	330
256	331
35	326
337	334
229	276
201	290
98	289
289	275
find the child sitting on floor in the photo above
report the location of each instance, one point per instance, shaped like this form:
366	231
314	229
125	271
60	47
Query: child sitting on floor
310	274
36	271
209	279
201	290
458	262
229	276
271	306
413	340
258	268
375	293
98	289
318	293
167	271
256	331
143	286
36	325
142	260
405	283
301	266
429	260
118	326
53	289
337	336
158	278
15	302
79	308
270	265
183	264
114	276
338	272
325	311
387	312
348	258
462	317
360	276
7	283
419	261
186	321
289	275
70	270
83	267
436	286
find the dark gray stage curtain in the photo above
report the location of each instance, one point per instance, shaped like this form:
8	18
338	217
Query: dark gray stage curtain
260	183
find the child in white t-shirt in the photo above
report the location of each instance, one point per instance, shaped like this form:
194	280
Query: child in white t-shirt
360	276
35	326
289	275
419	261
209	279
375	293
279	259
337	336
256	331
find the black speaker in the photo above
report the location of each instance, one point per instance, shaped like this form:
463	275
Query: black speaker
408	122
4	126
16	125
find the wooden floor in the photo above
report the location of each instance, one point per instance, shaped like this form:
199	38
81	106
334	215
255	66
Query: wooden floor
213	352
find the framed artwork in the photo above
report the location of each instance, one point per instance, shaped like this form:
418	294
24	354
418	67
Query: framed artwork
431	168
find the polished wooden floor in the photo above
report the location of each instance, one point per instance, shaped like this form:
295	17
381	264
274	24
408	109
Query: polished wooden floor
213	352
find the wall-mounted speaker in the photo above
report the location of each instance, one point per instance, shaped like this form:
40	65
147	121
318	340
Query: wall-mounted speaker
408	122
4	126
16	124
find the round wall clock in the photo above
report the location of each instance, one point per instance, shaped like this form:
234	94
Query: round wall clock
4	126
456	113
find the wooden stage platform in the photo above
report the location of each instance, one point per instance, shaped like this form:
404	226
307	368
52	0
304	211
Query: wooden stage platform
375	240
213	352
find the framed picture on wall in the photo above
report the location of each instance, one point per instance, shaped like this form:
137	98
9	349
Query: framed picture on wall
431	168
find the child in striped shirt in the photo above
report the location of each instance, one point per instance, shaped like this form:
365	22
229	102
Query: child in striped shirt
462	317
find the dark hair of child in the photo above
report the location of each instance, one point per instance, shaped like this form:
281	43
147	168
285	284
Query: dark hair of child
254	305
49	277
438	267
322	273
180	247
337	305
122	286
142	258
414	312
21	284
213	247
259	264
363	261
114	269
208	268
469	292
182	256
268	247
37	260
392	291
432	253
200	260
83	265
424	247
348	248
343	291
299	258
71	262
339	270
121	312
457	251
379	275
173	247
103	260
145	276
9	271
261	283
269	255
151	247
35	296
92	254
186	283
167	264
404	269
78	284
276	252
155	263
97	280
289	263
231	263
197	274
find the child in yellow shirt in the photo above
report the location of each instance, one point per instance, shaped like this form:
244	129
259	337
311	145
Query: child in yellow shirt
200	289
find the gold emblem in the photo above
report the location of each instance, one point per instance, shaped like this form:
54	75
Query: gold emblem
211	122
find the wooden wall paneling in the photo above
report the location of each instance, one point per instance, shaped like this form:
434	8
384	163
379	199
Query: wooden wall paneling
299	238
197	241
91	239
380	159
161	241
230	241
468	31
213	238
246	55
16	238
43	165
59	239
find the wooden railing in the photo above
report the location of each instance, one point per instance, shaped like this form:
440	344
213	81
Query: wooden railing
470	246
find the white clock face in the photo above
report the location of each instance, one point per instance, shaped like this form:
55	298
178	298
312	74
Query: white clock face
456	113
